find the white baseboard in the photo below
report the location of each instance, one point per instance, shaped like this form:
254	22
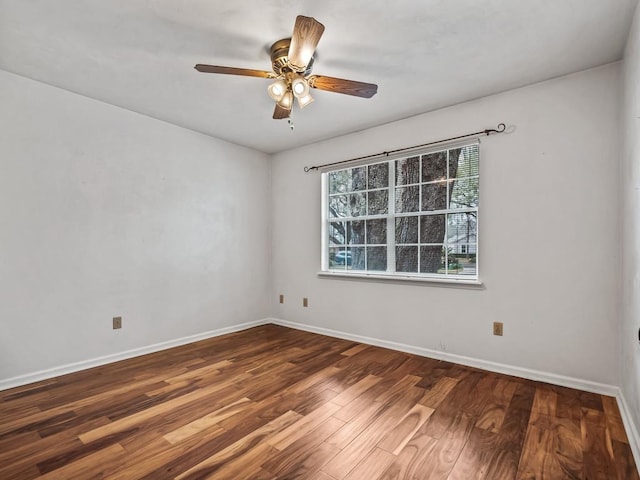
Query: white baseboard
561	380
630	427
555	379
136	352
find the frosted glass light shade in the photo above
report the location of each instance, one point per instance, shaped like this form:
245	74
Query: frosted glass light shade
287	100
277	89
304	101
300	87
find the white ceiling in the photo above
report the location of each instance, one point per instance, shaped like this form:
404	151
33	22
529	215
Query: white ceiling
423	54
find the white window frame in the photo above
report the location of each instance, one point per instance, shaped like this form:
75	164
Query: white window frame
391	274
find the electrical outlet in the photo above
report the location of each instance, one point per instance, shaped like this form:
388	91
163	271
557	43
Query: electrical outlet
497	328
281	298
117	322
305	302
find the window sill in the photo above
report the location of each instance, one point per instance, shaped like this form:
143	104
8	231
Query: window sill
442	282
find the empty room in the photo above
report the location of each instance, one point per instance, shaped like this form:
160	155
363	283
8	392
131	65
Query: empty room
320	240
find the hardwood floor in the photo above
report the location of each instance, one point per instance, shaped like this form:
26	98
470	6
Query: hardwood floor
275	403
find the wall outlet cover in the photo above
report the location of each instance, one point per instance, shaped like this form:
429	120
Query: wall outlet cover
497	328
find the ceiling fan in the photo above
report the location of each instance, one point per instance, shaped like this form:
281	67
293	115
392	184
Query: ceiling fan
292	61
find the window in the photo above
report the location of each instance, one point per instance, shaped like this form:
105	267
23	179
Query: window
412	216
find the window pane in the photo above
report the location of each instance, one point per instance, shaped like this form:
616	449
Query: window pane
355	232
377	231
406	230
357	258
408	171
434	196
339	181
461	228
378	175
338	206
434	166
432	259
465	255
464	193
432	228
337	233
407	199
357	204
407	259
454	265
379	202
377	258
338	258
358	178
466	163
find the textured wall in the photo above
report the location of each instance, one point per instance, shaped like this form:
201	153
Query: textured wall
630	351
104	212
549	237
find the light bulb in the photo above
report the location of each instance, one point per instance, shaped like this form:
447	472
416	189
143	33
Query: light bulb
300	87
277	89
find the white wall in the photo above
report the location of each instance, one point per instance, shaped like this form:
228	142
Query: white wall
630	347
549	240
104	212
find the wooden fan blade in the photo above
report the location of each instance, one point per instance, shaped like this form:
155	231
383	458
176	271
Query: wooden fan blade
247	72
339	85
304	40
279	113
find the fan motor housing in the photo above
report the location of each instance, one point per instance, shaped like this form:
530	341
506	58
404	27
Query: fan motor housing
280	58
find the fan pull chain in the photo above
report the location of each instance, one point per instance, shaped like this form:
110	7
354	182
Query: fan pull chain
291	125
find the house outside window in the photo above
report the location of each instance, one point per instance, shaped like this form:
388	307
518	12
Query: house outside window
415	216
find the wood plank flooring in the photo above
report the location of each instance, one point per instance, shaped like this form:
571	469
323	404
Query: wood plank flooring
274	403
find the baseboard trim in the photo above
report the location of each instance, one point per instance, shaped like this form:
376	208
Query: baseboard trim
537	375
18	381
630	427
561	380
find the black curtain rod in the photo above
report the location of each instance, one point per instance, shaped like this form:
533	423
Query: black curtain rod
488	131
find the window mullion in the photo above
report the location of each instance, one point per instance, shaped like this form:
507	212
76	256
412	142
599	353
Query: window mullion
419	212
445	240
324	213
391	222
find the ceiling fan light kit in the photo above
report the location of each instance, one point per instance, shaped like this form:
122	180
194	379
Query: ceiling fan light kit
286	101
304	101
277	89
292	62
300	86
